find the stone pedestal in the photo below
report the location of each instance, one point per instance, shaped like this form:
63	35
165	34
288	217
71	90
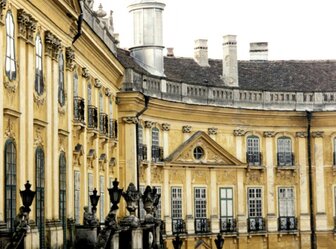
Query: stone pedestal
85	237
321	222
32	239
168	223
214	224
54	234
190	224
242	224
137	239
272	223
304	222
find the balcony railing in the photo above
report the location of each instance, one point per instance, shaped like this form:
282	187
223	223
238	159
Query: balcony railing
256	224
227	225
142	152
253	158
157	153
285	159
288	223
202	225
92	117
178	226
103	124
113	128
79	109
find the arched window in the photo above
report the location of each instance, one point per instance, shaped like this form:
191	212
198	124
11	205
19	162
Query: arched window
75	85
62	194
10	180
61	93
10	51
284	155
155	144
39	164
253	155
39	87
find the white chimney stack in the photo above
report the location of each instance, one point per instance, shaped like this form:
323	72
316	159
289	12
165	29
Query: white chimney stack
230	63
201	52
258	51
170	52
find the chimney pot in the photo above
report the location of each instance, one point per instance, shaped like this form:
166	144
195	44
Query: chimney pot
170	52
201	52
259	51
230	63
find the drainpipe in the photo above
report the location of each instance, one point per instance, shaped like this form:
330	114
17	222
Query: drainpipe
310	183
137	146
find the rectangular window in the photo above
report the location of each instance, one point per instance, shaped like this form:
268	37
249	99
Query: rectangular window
286	202
285	157
254	201
176	202
90	189
200	203
253	155
226	202
102	198
77	196
158	210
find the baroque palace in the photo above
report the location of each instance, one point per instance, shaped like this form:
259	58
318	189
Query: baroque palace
242	148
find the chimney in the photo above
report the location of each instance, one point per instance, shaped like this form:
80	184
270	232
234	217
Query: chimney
258	51
230	63
201	52
170	52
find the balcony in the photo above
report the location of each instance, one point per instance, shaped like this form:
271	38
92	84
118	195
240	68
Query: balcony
92	117
254	158
178	226
157	153
227	225
285	159
256	224
142	152
113	128
202	225
287	223
78	111
103	124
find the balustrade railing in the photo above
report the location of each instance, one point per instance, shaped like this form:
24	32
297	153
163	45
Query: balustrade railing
92	117
142	152
157	153
178	226
202	225
227	225
79	109
253	158
287	223
103	124
256	224
285	159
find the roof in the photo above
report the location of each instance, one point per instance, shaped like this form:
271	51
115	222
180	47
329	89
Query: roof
291	75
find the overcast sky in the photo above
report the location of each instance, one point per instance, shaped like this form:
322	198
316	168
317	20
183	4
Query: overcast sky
294	29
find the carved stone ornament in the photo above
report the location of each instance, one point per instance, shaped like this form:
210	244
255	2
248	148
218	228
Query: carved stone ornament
212	131
52	45
254	177
85	73
9	132
40	99
108	92
70	58
317	134
301	134
150	199
132	197
3	4
77	153
38	140
186	129
97	83
149	124
11	85
31	28
131	120
239	132
269	133
22	19
165	127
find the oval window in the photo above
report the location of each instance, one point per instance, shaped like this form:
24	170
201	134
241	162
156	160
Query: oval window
198	152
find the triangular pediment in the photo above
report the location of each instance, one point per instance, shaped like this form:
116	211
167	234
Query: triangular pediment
213	153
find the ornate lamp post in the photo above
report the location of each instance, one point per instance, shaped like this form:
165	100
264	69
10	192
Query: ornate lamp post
94	198
115	195
27	197
177	242
219	241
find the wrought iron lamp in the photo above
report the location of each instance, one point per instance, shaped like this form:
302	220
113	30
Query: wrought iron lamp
219	241
27	197
177	242
115	194
94	198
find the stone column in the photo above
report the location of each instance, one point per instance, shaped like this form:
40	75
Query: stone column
137	238
239	134
130	152
189	203
148	128
302	160
213	202
271	217
321	217
213	132
165	130
186	130
166	199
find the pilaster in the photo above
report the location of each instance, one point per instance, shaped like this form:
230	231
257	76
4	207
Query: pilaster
213	202
166	199
186	130
148	128
239	134
213	132
189	203
241	216
165	130
2	170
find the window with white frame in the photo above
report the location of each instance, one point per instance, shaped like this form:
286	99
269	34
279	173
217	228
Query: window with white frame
253	155
102	198
254	202
226	202
176	202
158	210
284	151
77	196
286	202
10	64
155	144
90	189
39	87
200	203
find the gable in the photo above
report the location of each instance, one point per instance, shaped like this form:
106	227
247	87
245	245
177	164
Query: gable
213	154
